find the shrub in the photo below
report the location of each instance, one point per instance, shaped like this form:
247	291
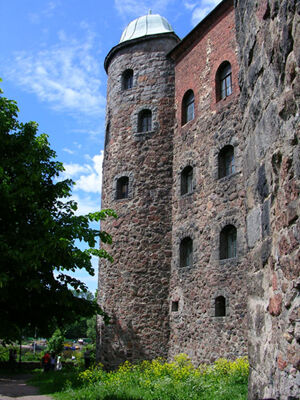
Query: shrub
158	379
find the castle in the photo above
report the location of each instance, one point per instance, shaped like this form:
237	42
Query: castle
201	165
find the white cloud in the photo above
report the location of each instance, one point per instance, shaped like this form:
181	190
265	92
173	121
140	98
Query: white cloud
65	75
93	181
136	8
69	151
88	177
73	170
200	11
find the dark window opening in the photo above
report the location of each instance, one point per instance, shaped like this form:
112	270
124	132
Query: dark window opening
226	161
220	306
228	242
186	252
122	188
187	180
127	79
175	306
107	134
145	121
224	81
188	107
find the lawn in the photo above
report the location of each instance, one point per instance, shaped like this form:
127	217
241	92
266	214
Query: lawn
150	380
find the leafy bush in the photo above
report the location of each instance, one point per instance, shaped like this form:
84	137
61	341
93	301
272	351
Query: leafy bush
4	353
56	342
176	380
158	379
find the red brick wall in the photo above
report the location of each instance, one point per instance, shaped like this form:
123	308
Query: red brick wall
197	68
213	202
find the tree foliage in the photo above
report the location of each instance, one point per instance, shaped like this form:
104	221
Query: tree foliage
84	327
39	233
56	342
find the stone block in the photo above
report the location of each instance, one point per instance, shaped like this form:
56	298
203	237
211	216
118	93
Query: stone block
275	305
254	226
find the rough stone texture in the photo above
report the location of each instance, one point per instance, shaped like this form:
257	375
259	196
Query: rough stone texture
261	198
213	203
145	280
134	289
268	36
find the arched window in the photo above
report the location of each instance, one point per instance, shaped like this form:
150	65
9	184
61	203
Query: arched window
220	306
228	242
186	252
127	79
122	188
145	121
188	107
226	161
187	180
223	81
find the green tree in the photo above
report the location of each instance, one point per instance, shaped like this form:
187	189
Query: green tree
56	342
91	328
39	232
79	328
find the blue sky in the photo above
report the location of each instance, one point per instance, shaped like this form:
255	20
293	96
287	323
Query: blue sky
51	63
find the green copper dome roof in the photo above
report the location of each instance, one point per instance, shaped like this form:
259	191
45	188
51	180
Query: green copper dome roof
151	24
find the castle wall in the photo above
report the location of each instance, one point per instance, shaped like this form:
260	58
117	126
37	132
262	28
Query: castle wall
134	289
268	37
212	204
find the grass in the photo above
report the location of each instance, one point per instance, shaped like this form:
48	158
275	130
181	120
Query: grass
155	380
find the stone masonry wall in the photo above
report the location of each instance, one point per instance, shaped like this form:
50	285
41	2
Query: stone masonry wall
268	36
212	204
134	289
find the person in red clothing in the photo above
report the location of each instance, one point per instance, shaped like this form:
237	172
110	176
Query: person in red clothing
46	361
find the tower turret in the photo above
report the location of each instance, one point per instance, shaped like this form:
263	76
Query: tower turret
137	184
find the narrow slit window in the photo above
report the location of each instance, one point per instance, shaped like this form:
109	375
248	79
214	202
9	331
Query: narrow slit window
175	306
186	252
122	188
107	134
127	79
188	107
228	242
187	180
145	121
220	306
226	161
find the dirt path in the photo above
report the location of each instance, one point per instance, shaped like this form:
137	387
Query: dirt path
14	387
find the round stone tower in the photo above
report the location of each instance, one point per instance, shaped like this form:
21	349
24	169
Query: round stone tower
137	184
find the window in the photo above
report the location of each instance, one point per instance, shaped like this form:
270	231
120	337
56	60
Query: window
187	180
226	161
175	306
107	134
145	121
228	242
122	188
220	306
127	79
223	81
186	252
188	106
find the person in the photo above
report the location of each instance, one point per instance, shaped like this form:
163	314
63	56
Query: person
52	361
58	364
46	362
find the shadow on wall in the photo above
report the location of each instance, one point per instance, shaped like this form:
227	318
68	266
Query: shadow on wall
120	343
